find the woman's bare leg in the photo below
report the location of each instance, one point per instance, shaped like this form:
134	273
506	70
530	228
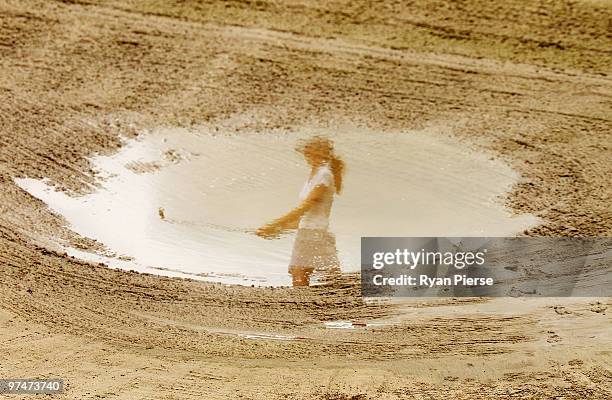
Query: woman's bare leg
300	275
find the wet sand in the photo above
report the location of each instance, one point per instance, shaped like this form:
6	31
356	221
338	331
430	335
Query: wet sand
534	91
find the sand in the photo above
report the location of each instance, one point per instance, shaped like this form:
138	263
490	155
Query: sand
528	82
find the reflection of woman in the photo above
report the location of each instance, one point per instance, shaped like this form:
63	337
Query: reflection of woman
315	247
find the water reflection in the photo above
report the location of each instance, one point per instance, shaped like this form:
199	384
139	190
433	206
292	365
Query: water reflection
181	203
314	249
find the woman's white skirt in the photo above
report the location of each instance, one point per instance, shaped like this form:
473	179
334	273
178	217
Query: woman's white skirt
314	248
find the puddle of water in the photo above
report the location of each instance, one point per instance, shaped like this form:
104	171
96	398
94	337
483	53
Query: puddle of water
180	203
339	325
271	337
354	325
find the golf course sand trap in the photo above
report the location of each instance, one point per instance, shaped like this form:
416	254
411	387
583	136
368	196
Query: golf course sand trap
185	203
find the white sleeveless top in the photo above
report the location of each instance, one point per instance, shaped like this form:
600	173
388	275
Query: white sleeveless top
318	216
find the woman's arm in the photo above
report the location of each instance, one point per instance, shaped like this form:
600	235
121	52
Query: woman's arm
292	218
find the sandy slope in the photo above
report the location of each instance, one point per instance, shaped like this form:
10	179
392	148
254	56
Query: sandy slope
74	76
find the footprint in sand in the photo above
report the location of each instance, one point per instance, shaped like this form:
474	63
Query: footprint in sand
598	307
561	310
553	337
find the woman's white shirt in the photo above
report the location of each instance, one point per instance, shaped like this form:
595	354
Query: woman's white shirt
317	217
